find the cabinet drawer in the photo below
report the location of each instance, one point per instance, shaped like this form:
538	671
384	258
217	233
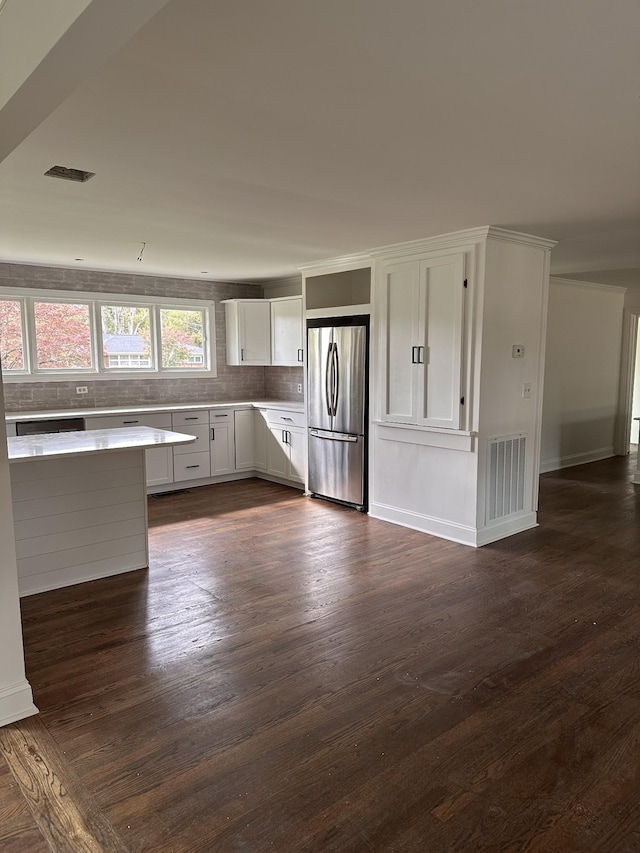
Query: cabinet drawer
161	420
192	417
283	418
191	466
220	416
200	445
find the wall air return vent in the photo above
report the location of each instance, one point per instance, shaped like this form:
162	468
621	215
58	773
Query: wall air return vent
505	484
69	174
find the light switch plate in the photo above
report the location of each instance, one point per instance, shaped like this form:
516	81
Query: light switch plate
517	351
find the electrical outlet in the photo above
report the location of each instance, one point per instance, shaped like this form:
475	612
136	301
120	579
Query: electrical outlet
526	390
82	389
299	387
517	351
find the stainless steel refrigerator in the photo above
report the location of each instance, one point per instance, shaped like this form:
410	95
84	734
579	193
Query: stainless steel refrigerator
337	409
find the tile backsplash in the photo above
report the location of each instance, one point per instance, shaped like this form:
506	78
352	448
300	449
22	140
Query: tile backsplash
231	383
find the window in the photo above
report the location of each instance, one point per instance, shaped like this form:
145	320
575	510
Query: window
46	336
182	334
126	336
11	335
63	336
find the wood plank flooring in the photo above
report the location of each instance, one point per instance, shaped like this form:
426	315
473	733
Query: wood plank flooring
293	676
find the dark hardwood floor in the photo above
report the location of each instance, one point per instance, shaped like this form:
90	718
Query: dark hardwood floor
293	676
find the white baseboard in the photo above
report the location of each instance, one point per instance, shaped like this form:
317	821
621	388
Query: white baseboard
576	459
33	584
507	527
424	523
16	703
460	533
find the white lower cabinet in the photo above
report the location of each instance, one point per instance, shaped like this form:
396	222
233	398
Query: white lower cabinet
286	444
221	442
277	453
244	430
260	439
158	461
227	442
297	455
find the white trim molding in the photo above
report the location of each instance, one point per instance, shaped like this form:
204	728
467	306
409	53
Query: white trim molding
16	703
576	459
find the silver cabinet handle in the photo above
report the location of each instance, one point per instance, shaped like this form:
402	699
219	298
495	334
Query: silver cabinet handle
130	422
414	355
420	355
193	418
282	418
213	434
221	416
191	466
242	354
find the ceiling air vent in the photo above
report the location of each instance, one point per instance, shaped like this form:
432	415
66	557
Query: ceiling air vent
69	174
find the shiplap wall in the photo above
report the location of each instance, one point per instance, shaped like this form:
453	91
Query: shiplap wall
78	518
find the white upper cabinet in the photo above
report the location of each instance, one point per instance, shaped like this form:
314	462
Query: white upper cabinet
248	323
421	316
286	331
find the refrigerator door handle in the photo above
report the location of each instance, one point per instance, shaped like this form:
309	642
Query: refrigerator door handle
327	380
336	379
333	436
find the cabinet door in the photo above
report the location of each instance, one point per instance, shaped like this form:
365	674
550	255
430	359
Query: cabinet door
400	339
159	466
244	440
441	316
255	332
297	440
286	331
277	453
248	327
222	455
261	439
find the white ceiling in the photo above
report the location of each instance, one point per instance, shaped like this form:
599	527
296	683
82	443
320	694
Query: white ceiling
245	138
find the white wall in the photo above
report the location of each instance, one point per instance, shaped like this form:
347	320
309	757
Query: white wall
16	700
584	336
635	425
515	292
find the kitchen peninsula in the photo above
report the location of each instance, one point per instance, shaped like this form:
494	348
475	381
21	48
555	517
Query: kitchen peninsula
79	503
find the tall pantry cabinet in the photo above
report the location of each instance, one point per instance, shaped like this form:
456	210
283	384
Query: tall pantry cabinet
458	327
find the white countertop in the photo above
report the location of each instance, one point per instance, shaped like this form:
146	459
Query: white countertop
12	417
27	448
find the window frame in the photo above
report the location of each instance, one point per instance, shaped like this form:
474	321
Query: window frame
26	355
96	300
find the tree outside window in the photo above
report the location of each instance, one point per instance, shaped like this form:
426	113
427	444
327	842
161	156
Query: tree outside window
63	336
182	336
11	340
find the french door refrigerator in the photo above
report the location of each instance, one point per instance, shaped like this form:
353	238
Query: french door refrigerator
337	361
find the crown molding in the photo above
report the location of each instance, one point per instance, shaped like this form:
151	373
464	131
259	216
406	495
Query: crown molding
342	264
456	239
587	285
